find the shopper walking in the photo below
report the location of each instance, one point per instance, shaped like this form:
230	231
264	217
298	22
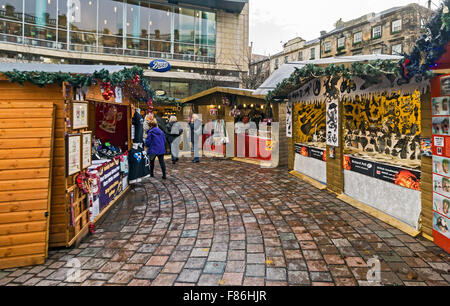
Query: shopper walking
195	125
174	139
155	143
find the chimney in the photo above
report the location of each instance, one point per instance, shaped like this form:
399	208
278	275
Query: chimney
322	33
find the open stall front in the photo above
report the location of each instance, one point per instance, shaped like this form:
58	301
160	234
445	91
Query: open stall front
361	138
251	115
70	149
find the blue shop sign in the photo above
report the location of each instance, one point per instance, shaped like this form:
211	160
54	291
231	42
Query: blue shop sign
160	65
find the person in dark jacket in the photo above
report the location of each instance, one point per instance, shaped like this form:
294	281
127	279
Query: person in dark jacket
174	139
196	131
156	146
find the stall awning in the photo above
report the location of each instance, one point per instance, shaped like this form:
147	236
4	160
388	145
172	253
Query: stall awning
55	68
287	69
232	6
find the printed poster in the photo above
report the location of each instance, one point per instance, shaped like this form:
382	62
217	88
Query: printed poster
289	120
441	161
333	124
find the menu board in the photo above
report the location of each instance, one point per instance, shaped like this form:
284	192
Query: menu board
441	161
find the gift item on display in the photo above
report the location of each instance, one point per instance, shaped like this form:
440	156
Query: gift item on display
138	164
104	150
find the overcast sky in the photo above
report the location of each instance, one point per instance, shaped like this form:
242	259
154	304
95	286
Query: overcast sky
274	22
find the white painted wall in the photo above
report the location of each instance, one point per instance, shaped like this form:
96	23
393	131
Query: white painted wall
399	202
311	167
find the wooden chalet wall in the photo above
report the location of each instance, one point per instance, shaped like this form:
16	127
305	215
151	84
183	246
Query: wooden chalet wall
26	153
426	180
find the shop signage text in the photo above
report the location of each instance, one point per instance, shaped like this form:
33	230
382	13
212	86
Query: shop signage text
160	66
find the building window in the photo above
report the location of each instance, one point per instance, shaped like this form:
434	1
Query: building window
125	27
341	43
286	59
377	51
327	46
357	38
276	63
397	49
300	56
313	53
396	26
376	32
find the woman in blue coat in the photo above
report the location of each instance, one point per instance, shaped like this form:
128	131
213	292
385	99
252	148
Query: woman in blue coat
156	146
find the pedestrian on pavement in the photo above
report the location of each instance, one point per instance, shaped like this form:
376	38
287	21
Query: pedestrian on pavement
174	139
155	143
195	125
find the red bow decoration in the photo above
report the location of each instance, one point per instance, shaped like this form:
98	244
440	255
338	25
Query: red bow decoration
107	91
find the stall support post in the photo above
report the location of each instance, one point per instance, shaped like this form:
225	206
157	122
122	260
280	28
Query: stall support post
291	141
283	146
335	168
427	171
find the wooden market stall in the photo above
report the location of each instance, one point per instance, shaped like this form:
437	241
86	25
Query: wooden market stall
359	136
50	135
234	105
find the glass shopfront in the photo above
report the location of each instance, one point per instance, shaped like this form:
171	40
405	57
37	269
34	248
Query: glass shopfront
125	27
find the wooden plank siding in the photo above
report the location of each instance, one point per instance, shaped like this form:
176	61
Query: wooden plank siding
27	122
427	170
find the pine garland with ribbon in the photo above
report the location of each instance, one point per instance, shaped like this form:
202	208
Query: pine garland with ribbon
122	78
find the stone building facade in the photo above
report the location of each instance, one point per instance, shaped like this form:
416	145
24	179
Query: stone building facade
205	42
294	50
393	31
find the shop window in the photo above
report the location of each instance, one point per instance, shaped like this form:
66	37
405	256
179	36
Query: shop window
11	10
357	38
396	26
376	32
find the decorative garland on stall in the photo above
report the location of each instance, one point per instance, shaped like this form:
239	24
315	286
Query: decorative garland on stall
128	78
428	49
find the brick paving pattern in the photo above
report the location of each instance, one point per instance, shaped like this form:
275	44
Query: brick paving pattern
222	223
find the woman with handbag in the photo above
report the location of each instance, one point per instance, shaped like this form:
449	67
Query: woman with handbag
156	145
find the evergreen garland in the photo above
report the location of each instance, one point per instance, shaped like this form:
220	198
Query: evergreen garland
120	78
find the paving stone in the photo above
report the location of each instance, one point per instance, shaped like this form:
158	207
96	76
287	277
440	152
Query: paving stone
214	267
298	278
276	274
255	270
147	272
189	276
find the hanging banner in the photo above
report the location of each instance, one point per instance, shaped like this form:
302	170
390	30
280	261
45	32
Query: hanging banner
399	176
110	182
333	124
289	120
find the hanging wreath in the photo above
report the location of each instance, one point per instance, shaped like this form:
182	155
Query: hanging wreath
89	183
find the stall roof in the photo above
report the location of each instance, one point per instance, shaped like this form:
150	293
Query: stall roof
287	69
228	90
73	69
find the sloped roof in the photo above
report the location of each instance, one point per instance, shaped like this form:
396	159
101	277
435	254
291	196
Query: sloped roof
73	69
286	70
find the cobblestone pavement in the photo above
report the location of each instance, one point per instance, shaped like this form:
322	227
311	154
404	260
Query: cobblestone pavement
228	223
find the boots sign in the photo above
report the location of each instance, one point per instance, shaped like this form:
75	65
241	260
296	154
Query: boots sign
160	65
